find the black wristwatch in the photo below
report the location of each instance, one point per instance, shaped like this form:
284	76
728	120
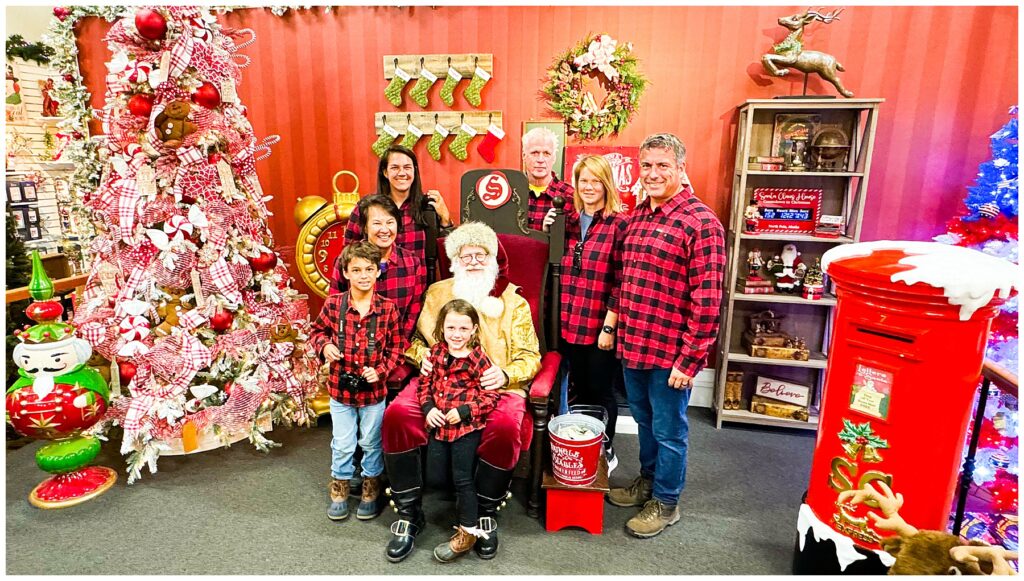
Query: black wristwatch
608	329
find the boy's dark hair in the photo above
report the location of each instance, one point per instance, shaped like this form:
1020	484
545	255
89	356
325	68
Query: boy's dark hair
364	249
379	201
460	307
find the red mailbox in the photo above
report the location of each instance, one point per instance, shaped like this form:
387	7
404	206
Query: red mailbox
904	360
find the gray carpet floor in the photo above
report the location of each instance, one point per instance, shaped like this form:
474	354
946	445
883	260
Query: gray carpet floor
238	511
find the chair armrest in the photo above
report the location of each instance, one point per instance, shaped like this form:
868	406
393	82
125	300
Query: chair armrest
400	375
544	381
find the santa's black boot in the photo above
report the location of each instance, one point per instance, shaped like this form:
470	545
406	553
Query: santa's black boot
407	499
491	492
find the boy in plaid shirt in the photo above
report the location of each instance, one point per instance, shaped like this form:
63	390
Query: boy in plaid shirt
359	334
455	407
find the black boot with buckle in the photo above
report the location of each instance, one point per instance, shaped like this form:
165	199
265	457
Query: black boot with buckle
491	491
406	493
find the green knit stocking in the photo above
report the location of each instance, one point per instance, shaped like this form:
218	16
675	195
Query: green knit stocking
458	146
412	135
387	136
436	139
472	94
419	91
448	89
394	90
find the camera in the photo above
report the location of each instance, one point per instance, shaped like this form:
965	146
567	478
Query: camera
352	382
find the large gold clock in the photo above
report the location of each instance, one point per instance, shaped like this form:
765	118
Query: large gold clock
322	235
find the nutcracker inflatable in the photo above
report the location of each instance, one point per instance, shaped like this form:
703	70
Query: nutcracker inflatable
56	397
905	358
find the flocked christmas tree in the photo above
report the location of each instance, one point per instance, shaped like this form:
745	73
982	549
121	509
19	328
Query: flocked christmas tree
988	222
186	296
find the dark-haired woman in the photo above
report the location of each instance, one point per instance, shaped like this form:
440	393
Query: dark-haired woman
398	177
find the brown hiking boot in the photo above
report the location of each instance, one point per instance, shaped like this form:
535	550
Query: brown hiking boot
652	519
369	503
338	510
460	544
636	494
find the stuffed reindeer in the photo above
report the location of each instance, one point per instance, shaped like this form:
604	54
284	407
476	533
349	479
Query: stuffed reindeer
927	552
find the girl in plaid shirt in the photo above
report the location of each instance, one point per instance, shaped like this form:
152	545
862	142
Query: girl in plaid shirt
591	275
455	407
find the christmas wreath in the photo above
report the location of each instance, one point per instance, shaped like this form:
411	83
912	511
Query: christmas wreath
617	69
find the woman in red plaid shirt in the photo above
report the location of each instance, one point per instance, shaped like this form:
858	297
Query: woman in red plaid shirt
591	274
455	407
403	275
398	177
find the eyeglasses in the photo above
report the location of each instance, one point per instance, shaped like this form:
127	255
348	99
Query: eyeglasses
577	258
469	258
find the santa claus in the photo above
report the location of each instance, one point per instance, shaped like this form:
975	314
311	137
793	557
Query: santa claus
788	269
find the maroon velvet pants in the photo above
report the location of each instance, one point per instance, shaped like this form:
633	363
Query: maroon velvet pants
507	432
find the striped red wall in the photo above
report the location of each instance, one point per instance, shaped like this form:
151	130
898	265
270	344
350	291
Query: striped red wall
948	75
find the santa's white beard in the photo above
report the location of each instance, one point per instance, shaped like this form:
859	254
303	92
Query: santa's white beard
475	288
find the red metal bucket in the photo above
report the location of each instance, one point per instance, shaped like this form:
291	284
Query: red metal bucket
575	462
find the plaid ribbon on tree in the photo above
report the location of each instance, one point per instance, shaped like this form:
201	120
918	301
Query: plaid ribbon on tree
220	275
134	284
128	195
220	217
181	55
276	362
192	319
234	344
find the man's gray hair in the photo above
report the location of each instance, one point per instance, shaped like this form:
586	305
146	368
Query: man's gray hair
666	141
540	134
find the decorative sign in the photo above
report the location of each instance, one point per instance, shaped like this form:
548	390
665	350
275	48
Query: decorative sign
494	190
785	391
322	236
871	391
625	162
790	210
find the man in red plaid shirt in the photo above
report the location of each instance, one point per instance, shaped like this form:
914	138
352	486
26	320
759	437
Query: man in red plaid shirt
673	264
359	334
539	151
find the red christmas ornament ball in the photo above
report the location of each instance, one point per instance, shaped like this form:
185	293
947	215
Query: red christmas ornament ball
221	321
69	77
61	12
207	95
264	262
1004	493
213	158
126	371
151	24
141	104
44	311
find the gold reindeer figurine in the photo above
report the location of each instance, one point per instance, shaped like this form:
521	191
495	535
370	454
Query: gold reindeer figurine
790	52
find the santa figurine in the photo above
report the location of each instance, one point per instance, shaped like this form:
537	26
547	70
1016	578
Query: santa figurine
788	269
56	397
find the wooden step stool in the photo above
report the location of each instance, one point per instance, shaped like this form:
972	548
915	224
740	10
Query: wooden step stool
576	506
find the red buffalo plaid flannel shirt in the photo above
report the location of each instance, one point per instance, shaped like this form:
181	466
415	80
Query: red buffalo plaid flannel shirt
403	280
673	264
588	296
411	236
454	383
390	345
541	203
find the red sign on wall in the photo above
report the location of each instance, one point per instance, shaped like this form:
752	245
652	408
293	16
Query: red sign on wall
793	210
625	162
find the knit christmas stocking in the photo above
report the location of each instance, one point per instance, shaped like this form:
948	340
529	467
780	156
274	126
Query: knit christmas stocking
458	145
472	94
448	88
388	135
486	147
419	91
398	82
412	135
436	139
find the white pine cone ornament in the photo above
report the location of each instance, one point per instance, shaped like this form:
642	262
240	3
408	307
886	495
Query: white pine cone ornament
989	210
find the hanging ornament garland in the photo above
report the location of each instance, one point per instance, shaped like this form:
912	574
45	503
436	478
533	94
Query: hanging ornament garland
618	71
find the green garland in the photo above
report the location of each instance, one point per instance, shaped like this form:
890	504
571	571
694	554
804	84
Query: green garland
37	52
587	119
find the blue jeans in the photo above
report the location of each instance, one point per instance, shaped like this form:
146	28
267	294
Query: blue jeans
343	443
660	414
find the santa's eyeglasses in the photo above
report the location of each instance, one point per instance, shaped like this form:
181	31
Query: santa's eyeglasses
470	258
